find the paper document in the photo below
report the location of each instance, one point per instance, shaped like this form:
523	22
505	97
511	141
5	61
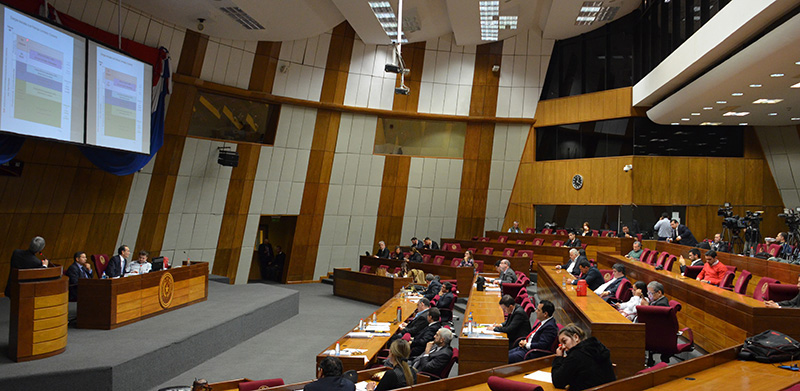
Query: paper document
361	386
378	327
345	352
492	289
359	334
540	376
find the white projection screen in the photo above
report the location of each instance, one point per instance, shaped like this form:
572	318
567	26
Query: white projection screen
43	81
118	100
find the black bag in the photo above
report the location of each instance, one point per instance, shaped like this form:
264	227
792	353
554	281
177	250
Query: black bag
480	281
763	255
770	347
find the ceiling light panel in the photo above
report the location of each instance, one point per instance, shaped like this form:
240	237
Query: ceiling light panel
387	18
764	101
736	114
492	22
594	11
242	17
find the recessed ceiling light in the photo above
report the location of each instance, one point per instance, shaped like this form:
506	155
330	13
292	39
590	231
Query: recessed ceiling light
797	63
755	85
772	114
764	101
695	113
737	94
795	118
743	124
722	102
796	86
675	123
710	123
736	114
684	119
776	75
708	108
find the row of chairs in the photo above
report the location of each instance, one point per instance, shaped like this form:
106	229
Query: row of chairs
771	249
507	252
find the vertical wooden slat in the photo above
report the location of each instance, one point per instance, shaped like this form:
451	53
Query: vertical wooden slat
392	203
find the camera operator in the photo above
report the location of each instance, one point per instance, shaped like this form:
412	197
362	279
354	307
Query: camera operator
681	234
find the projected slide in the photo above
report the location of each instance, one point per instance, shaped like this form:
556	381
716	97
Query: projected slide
118	101
39	72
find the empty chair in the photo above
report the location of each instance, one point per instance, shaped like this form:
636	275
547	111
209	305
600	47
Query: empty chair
508	252
530	231
366	269
661	331
513	289
583	245
437	260
731	269
522	295
446	370
483	239
727	280
538	241
761	248
426	258
487	250
781	292
502	239
639	237
557	243
547	231
761	288
497	383
651	259
520	241
561	232
524	253
661	258
479	266
692	271
645	253
741	283
528	307
455	262
259	384
595	232
669	262
455	247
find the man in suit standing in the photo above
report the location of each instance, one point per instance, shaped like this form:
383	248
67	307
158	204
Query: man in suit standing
437	353
544	333
518	323
592	276
427	334
80	268
434	286
329	377
26	259
116	266
265	255
681	234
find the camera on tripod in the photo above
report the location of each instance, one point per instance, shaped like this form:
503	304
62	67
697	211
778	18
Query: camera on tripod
791	217
729	220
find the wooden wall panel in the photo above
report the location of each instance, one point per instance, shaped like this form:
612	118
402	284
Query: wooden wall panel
323	146
478	143
35	204
414	56
587	107
392	203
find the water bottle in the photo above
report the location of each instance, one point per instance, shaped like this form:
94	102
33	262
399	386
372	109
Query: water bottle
336	350
361	325
564	282
104	276
374	317
469	324
399	314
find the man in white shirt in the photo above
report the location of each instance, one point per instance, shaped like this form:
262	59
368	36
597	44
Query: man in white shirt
609	290
544	333
572	265
662	228
139	266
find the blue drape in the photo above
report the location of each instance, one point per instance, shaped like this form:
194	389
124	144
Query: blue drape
9	146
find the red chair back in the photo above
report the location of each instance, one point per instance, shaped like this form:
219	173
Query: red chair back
645	254
437	260
557	243
742	282
669	262
651	259
595	232
508	252
487	250
607	274
256	385
781	292
522	295
530	231
525	253
455	262
455	247
547	231
731	269
473	249
496	383
761	288
639	237
366	269
502	239
426	258
624	290
521	241
727	280
561	232
773	249
761	248
692	271
479	266
661	258
100	263
483	239
397	270
661	328
538	241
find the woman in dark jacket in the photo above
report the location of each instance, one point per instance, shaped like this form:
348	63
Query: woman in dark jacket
415	255
397	254
581	362
401	375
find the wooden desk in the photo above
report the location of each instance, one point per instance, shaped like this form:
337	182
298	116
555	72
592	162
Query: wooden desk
38	314
540	253
712	372
366	374
476	354
476	381
110	303
595	243
623	338
488	260
463	275
719	318
386	313
367	287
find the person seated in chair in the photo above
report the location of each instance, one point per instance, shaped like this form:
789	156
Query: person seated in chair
427	334
793	303
415	256
573	241
713	270
434	286
437	353
626	233
469	260
382	252
517	325
329	377
118	263
515	229
542	336
397	254
419	322
592	276
636	253
416	243
430	244
717	244
581	362
785	251
80	268
507	275
694	257
572	264
608	290
586	229
139	266
655	294
628	308
445	296
401	375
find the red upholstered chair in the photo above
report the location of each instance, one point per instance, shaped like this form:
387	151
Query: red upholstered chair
524	253
639	237
397	270
508	252
651	259
479	266
669	262
530	231
547	231
455	247
384	267
781	292
366	269
259	384
446	370
661	258
773	249
741	283
538	241
437	260
483	239
731	269
624	291
536	353
520	241
645	254
528	307
502	239
455	262
100	263
727	281
513	289
761	248
496	383
522	295
595	232
761	292
426	258
557	243
653	368
607	274
487	251
447	313
692	271
583	245
475	238
561	232
661	331
473	249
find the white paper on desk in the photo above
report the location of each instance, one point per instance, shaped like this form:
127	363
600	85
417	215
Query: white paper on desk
361	386
540	376
493	289
359	334
380	327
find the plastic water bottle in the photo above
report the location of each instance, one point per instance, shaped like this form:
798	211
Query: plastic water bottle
336	351
564	282
469	324
374	317
361	325
399	314
104	276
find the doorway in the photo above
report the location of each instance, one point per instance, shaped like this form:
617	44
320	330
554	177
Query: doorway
280	232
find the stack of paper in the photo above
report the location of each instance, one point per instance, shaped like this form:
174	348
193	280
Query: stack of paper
540	376
378	327
359	334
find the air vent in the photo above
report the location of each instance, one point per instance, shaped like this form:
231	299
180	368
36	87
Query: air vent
242	17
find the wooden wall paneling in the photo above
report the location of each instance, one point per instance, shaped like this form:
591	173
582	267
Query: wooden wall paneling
265	62
414	56
682	182
392	203
305	244
587	107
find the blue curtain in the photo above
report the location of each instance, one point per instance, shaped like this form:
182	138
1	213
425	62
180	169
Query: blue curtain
125	163
9	146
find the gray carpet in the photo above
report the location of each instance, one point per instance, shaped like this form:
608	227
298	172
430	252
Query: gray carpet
147	353
288	350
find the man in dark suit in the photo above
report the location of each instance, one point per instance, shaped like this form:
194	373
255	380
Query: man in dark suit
572	263
416	243
506	273
681	234
655	292
430	244
417	324
265	256
26	259
427	334
445	296
793	303
518	323
608	290
329	377
79	269
573	241
116	266
592	276
437	353
544	333
434	286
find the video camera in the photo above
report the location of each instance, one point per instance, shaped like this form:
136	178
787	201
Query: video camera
729	220
792	218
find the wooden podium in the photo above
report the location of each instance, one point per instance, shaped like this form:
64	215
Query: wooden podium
38	318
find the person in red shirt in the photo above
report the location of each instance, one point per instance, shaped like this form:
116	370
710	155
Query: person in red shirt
713	270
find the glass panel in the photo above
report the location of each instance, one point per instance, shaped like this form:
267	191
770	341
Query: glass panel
420	138
595	64
639	219
229	118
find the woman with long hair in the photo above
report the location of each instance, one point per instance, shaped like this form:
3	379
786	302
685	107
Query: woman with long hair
397	254
469	260
581	362
415	255
587	231
401	374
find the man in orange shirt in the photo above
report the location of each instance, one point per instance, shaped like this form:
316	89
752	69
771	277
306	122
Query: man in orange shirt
713	270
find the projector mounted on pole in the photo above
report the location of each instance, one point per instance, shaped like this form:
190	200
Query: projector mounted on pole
398	65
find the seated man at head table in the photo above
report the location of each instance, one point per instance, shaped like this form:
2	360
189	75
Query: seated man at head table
573	241
506	273
626	232
118	263
515	228
26	259
713	270
80	268
681	234
427	334
592	276
581	362
572	263
445	296
655	294
544	333
608	290
518	323
418	323
329	377
636	253
437	353
694	257
793	303
434	286
140	265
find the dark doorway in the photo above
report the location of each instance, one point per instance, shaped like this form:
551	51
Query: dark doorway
280	232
